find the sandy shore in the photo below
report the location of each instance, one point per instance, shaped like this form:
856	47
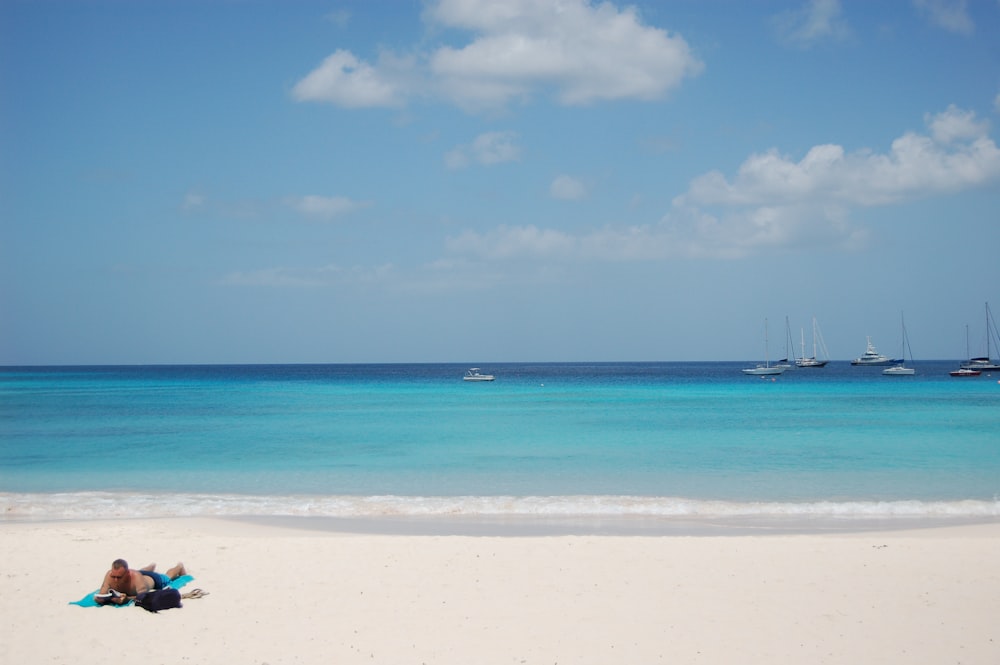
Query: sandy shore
290	595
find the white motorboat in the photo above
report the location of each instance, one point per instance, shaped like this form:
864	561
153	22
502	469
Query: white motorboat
872	358
474	375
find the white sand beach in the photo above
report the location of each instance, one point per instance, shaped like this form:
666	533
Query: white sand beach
290	595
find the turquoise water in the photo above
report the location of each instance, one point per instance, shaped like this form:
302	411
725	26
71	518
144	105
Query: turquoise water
582	439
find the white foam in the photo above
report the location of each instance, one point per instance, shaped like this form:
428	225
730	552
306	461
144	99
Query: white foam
114	505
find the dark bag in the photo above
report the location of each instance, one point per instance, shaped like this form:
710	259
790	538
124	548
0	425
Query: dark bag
160	599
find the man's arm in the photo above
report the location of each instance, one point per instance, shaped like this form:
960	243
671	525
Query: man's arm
101	597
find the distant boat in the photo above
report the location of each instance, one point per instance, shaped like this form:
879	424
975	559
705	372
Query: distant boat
766	369
966	371
817	340
474	375
901	369
984	363
872	358
788	361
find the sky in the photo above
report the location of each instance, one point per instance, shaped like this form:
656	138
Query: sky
251	181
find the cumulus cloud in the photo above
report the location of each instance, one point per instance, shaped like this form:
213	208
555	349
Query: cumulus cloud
567	188
486	150
952	15
818	20
578	51
344	80
775	201
325	207
955	154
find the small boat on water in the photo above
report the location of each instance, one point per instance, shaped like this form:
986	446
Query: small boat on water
985	363
963	370
474	375
813	361
901	369
872	358
767	369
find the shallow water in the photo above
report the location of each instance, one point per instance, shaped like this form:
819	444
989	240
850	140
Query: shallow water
602	439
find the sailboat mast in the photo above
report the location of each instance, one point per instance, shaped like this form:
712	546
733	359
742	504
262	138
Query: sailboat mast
766	361
814	338
987	331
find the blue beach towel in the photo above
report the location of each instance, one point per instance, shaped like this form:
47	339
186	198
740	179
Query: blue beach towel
88	600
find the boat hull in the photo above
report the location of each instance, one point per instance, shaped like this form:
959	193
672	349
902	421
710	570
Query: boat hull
764	371
981	364
874	363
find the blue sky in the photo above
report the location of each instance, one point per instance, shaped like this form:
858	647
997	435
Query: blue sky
470	181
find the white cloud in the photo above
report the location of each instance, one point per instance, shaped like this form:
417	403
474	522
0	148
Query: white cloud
816	21
486	149
567	188
325	207
193	201
344	80
957	154
506	242
581	52
774	202
952	15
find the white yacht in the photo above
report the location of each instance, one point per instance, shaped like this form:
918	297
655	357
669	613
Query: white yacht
813	361
873	358
474	375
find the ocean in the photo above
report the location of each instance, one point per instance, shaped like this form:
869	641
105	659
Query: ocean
598	441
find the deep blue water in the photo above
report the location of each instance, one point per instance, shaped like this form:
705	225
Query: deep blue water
601	438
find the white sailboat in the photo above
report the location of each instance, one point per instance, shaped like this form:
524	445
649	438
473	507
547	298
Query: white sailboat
766	369
813	361
788	362
984	363
966	371
901	369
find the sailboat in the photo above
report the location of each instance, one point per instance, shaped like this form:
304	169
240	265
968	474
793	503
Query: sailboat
787	362
983	363
813	361
966	371
766	369
901	369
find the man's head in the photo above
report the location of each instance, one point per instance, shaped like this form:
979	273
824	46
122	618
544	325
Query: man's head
119	569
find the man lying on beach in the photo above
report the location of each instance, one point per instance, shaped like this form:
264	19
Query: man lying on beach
122	584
